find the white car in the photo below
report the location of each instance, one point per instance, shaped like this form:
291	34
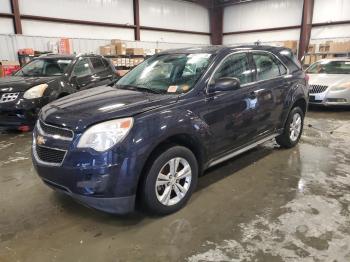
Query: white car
329	81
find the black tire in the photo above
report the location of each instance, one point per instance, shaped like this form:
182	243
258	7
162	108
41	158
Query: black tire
149	197
284	140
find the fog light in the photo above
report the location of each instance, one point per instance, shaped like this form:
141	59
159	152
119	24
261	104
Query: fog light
337	100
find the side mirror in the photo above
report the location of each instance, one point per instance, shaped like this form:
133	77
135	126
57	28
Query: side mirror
73	79
225	84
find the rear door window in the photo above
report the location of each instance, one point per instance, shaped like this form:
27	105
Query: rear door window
97	64
82	68
236	65
266	66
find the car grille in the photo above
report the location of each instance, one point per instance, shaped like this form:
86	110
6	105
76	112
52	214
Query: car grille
50	155
53	131
316	89
8	97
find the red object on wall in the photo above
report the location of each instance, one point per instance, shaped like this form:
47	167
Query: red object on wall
64	47
7	68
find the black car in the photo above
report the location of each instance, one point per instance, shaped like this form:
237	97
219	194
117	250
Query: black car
148	138
45	79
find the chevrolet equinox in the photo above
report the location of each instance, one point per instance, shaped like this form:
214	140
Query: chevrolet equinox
148	137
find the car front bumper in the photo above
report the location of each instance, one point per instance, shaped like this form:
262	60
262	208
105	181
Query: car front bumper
112	205
19	113
330	98
106	181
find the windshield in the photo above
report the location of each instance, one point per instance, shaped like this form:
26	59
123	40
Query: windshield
168	73
329	67
45	67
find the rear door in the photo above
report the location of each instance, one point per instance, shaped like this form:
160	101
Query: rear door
102	72
268	90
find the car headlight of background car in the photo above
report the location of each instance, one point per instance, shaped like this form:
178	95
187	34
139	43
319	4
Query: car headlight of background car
103	136
341	87
35	91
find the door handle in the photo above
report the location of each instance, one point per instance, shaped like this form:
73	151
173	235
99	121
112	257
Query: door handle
252	95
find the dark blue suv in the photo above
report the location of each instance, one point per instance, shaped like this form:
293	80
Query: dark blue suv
148	137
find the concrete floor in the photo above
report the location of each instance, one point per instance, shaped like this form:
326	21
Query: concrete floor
266	205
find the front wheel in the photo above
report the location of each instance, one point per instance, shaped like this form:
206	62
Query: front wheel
293	129
170	181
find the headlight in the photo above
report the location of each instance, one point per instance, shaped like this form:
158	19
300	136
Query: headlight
35	91
103	136
341	87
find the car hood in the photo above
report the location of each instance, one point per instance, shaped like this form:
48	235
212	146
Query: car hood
328	79
21	84
85	108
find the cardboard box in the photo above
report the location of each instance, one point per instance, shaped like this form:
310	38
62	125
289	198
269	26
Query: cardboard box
307	60
291	44
311	49
134	51
325	47
120	48
340	47
115	41
105	50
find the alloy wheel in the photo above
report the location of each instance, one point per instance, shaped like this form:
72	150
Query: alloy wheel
173	181
295	127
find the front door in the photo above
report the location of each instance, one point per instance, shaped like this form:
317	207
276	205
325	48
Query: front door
230	114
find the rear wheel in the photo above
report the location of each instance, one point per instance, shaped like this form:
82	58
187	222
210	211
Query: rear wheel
293	129
170	181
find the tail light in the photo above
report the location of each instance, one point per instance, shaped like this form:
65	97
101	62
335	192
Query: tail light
24	128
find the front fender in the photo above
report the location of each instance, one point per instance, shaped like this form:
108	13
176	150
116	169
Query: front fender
152	130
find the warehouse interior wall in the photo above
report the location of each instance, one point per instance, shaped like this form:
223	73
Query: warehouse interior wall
284	13
168	14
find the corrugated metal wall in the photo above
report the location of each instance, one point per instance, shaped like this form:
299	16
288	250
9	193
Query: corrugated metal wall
86	38
280	13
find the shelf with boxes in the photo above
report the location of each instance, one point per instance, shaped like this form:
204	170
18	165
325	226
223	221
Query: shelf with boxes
124	58
329	49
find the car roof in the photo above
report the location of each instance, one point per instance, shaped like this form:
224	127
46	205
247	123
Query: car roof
221	48
65	56
56	56
346	59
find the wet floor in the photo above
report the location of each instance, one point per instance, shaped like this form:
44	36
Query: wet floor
266	205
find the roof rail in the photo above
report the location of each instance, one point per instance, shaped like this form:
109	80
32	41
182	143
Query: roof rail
88	54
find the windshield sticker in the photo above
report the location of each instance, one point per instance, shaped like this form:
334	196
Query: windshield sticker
172	89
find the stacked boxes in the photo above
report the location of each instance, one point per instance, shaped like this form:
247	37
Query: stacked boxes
339	47
117	47
293	45
134	51
126	62
325	47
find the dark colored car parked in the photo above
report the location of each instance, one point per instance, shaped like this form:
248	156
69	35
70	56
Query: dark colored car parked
45	79
148	138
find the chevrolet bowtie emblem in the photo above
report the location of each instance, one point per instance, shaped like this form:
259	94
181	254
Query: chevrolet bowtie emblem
40	140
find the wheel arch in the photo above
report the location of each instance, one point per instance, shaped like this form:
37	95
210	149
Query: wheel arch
187	140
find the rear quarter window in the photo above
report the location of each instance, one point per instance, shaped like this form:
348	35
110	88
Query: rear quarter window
290	60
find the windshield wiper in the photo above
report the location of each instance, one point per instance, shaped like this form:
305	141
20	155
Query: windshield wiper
139	88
